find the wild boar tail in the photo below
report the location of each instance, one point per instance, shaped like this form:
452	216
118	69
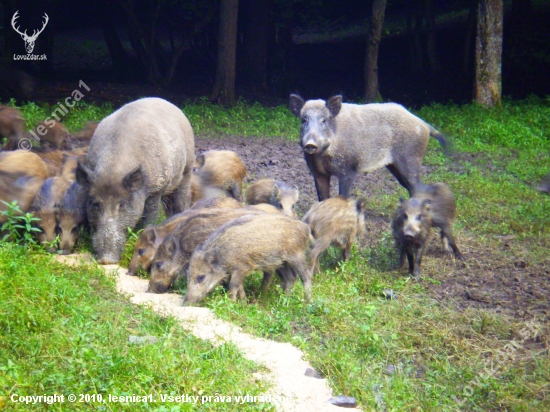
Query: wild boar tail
443	141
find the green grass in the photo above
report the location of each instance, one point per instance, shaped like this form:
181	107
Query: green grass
208	120
65	330
351	333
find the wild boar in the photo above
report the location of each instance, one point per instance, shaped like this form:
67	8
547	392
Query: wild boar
150	239
43	207
20	188
140	154
172	257
52	134
264	242
70	215
12	126
411	226
264	207
23	163
442	213
431	206
217	202
342	139
224	169
202	189
336	221
83	136
275	193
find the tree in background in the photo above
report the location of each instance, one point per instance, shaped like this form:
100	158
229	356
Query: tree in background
488	59
372	92
224	86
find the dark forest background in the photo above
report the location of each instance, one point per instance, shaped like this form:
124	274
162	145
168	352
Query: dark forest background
313	47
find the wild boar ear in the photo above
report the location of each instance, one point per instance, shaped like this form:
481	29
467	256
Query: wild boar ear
211	257
361	204
426	205
172	245
334	104
134	180
296	104
83	174
150	234
199	161
276	194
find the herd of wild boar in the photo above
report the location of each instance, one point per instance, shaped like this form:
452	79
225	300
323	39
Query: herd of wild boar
114	175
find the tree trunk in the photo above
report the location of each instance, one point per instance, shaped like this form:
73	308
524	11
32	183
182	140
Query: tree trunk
468	39
430	35
372	92
119	57
256	41
224	86
488	87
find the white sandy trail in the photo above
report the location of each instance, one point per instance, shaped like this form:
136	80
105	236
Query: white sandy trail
290	388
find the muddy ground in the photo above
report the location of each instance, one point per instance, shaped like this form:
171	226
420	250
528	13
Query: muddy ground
491	278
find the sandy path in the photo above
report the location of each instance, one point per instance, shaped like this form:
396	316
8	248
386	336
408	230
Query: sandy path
291	389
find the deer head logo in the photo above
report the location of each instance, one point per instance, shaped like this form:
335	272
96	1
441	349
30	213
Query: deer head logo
29	40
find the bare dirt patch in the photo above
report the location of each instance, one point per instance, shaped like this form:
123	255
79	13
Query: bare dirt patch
498	278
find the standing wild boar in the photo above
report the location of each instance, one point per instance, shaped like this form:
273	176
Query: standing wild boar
70	215
83	136
336	221
218	203
264	242
23	163
172	257
223	169
411	230
52	134
19	188
140	154
432	206
275	193
150	239
343	139
44	207
12	125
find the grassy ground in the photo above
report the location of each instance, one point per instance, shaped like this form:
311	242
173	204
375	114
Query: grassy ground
66	331
415	353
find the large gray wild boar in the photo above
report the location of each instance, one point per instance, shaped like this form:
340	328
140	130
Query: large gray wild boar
139	155
342	139
263	242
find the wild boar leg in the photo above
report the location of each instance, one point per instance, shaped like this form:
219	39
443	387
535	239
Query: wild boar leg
402	255
236	289
268	276
418	260
407	173
322	185
319	247
345	183
410	258
447	234
288	278
301	269
180	196
151	210
166	201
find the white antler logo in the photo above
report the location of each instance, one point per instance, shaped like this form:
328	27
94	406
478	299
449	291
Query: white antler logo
29	40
